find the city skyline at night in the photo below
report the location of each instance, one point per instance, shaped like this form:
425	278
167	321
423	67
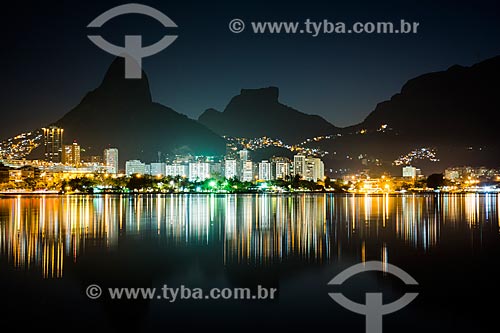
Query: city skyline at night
119	112
255	166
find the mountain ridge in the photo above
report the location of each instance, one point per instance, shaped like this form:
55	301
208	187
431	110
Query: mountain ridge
258	112
445	102
121	113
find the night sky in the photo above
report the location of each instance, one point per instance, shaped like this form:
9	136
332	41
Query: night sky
48	64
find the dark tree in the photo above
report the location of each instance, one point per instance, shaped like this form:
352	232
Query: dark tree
296	181
328	182
138	182
436	180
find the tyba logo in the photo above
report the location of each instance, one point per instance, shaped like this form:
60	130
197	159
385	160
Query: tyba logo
133	51
373	309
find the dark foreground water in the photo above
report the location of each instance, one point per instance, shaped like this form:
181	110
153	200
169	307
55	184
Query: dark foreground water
53	247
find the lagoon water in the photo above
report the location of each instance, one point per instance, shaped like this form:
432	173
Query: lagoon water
53	247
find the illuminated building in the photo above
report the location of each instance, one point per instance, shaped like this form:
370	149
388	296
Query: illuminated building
199	171
247	171
245	166
215	168
23	173
230	169
111	160
244	155
409	171
135	167
282	170
265	170
71	154
281	167
175	170
92	159
309	168
299	165
463	172
158	169
315	169
52	142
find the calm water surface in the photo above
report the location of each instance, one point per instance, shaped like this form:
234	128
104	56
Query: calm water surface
53	247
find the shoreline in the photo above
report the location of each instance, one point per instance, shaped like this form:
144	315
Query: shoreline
56	193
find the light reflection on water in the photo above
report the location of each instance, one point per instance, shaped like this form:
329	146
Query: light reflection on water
41	232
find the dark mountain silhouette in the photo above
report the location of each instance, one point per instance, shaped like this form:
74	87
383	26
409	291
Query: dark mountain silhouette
457	111
120	113
460	103
258	112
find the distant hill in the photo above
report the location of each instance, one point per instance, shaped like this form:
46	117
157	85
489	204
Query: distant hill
120	113
457	111
258	112
461	103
